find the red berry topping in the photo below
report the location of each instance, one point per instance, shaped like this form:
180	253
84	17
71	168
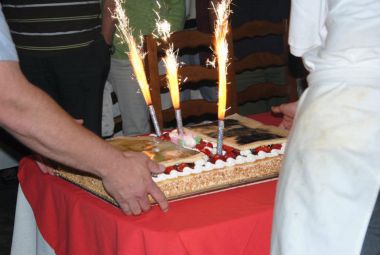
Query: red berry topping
263	148
207	152
181	166
200	146
228	148
209	145
169	169
277	146
165	136
236	152
230	155
217	157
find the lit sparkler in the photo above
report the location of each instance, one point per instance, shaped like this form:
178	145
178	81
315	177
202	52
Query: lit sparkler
222	11
171	65
136	57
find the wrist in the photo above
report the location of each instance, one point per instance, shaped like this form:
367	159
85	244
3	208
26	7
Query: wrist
110	163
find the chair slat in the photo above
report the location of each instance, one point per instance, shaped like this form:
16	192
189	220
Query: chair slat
264	60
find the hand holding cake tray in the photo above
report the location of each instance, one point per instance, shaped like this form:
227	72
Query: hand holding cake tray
251	152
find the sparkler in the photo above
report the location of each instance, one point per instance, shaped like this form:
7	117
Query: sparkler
171	65
222	11
136	57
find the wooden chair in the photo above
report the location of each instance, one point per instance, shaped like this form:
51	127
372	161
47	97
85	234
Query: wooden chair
182	40
264	60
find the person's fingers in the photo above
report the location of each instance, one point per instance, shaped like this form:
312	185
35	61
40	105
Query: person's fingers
288	125
159	197
43	167
43	164
125	208
276	109
155	168
134	206
144	204
282	125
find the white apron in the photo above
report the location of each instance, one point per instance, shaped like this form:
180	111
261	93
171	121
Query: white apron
331	174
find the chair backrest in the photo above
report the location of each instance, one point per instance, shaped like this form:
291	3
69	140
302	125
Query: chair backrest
262	60
195	41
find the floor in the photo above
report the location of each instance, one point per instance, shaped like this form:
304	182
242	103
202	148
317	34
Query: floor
8	195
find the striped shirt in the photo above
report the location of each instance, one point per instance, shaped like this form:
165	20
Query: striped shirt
39	26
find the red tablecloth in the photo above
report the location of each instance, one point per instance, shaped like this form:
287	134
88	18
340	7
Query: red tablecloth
72	221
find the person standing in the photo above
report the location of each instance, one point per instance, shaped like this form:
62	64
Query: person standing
63	48
330	178
142	16
31	116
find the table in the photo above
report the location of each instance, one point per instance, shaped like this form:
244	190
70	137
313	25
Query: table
72	221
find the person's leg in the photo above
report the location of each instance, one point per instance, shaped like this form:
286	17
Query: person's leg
108	124
37	70
81	77
371	245
133	109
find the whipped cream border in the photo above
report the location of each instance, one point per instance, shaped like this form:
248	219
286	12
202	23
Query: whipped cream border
202	165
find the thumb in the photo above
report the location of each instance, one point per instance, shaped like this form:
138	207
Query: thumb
155	168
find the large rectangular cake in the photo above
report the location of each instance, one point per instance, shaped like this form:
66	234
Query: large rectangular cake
251	152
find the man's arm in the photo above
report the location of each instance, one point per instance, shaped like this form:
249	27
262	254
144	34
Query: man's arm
37	121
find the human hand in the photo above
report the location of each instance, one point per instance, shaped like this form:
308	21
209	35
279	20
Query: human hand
288	111
44	164
130	182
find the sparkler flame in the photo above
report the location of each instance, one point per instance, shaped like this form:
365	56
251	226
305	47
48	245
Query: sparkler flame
171	64
135	53
163	29
222	12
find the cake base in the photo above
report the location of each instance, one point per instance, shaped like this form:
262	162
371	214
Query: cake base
193	184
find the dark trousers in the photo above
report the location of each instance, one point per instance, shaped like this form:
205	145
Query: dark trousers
75	79
371	245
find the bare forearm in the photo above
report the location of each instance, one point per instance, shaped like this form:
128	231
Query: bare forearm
26	107
37	121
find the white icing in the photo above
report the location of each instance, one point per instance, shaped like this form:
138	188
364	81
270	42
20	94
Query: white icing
245	152
198	169
200	162
250	158
173	174
240	159
187	170
219	164
208	166
205	165
230	162
261	155
160	177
